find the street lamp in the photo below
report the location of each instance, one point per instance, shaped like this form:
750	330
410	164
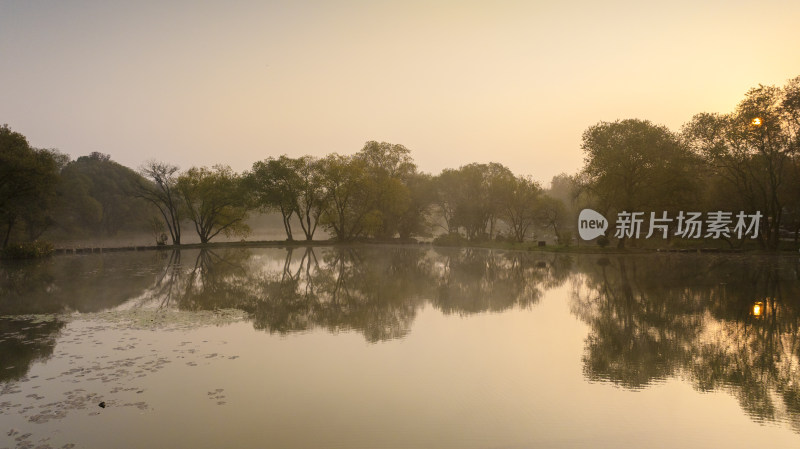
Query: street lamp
758	309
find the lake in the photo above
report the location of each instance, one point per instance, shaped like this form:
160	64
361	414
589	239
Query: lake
399	347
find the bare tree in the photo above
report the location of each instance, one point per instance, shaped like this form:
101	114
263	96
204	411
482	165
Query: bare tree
162	193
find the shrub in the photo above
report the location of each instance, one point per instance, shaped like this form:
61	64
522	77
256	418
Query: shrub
28	250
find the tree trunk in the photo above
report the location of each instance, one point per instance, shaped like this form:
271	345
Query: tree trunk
11	221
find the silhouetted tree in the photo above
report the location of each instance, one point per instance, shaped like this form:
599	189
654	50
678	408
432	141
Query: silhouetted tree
633	165
163	194
752	153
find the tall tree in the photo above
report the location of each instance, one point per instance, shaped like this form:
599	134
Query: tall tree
216	201
473	197
346	209
519	207
28	179
162	193
552	214
310	196
414	220
634	165
447	197
292	187
501	186
752	151
388	169
561	204
276	185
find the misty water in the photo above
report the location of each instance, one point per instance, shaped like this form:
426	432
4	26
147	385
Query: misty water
399	347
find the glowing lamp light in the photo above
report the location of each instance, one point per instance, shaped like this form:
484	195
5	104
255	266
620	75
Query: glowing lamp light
756	121
758	309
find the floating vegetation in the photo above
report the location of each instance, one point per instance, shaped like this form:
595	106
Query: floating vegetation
100	365
167	319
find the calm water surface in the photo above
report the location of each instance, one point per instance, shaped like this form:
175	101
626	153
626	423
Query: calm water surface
395	347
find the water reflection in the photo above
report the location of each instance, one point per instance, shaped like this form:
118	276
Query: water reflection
346	289
375	291
75	283
473	281
722	323
24	340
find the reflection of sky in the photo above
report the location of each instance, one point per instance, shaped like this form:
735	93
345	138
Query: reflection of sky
512	379
458	348
456	82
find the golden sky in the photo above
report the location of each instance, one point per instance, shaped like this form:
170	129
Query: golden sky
200	83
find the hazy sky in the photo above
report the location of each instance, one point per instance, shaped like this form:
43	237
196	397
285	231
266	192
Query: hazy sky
200	83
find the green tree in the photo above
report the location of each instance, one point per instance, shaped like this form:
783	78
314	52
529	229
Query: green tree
519	207
98	195
634	165
275	184
473	197
311	195
216	201
447	197
292	187
28	180
388	169
414	220
345	211
501	187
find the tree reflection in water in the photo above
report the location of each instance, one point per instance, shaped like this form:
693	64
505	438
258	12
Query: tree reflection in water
375	291
24	340
650	317
33	294
658	317
474	280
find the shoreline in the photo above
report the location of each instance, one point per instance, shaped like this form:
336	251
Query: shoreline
525	247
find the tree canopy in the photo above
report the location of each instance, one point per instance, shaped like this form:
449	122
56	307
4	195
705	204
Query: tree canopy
216	201
28	181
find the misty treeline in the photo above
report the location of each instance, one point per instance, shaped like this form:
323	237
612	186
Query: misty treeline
746	160
377	193
42	190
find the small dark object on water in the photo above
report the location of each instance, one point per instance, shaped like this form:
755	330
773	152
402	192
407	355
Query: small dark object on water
102	404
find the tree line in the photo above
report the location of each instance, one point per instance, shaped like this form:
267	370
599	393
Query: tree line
377	193
746	160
